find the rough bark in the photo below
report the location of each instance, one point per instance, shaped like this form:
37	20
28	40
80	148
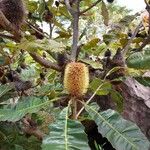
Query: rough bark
137	104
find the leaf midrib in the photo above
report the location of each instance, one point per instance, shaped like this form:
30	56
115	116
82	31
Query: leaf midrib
22	110
112	127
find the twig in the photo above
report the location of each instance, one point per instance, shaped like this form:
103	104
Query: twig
145	42
148	9
74	108
44	62
90	7
75	15
35	29
31	128
146	2
89	100
51	29
125	50
70	9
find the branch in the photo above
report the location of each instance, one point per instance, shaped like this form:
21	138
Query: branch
35	29
75	37
90	7
145	42
146	2
69	7
30	127
89	100
148	9
75	15
126	48
44	62
51	30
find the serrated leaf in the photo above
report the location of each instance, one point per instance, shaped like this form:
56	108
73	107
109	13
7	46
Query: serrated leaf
44	90
66	134
63	34
45	44
143	80
59	25
92	43
105	14
127	19
24	106
139	60
4	89
122	134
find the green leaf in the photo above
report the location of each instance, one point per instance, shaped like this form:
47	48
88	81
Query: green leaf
143	80
4	89
118	99
113	70
122	134
63	34
4	60
66	134
127	20
29	73
104	89
105	13
45	44
139	60
108	38
44	89
92	43
24	106
93	64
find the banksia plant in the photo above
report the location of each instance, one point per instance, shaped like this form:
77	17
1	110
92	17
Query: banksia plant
76	79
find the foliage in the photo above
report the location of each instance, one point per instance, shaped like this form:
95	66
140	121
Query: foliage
139	60
31	78
66	134
110	123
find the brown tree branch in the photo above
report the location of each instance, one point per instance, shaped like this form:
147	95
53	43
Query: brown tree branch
75	15
146	2
90	7
126	48
75	36
30	127
44	62
148	9
145	42
35	29
70	9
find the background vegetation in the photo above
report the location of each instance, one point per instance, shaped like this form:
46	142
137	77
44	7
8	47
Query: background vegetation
34	107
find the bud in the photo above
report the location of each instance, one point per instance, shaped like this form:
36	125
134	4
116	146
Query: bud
76	79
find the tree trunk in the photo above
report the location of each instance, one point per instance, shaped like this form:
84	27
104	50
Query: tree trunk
137	104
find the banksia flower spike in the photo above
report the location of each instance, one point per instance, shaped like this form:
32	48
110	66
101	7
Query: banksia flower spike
76	79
